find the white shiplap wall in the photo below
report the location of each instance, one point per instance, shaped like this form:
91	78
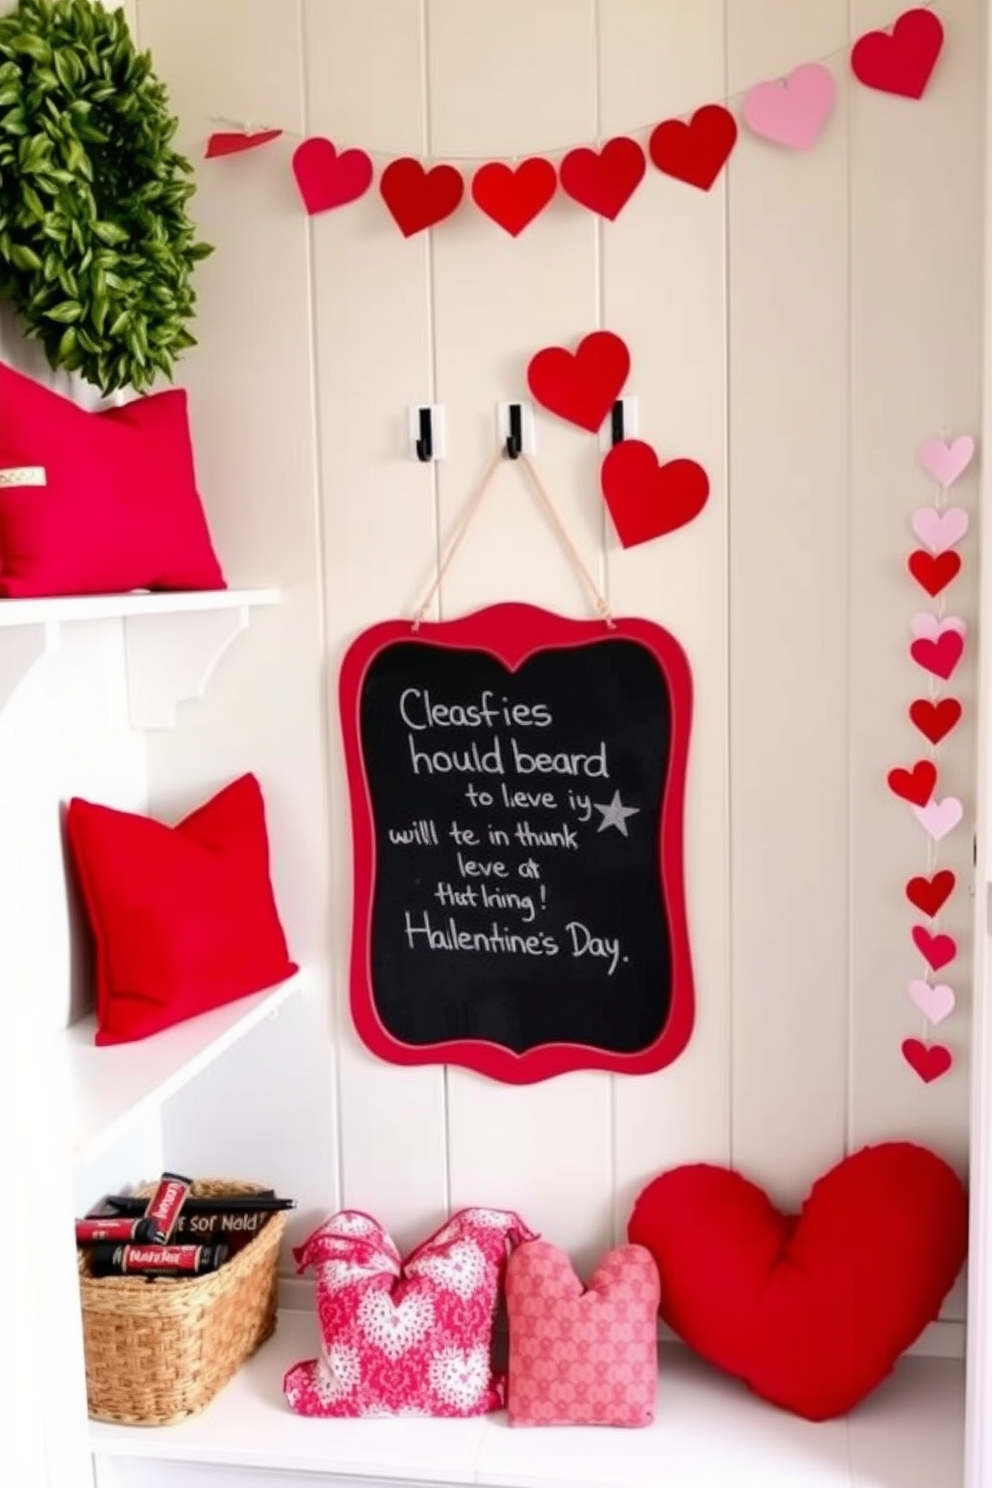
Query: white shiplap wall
799	329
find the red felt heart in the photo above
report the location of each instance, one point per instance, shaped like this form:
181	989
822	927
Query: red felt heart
929	1061
327	179
514	195
902	62
695	150
935	720
916	785
813	1311
237	143
647	499
939	656
929	895
418	198
604	180
581	386
934	571
936	950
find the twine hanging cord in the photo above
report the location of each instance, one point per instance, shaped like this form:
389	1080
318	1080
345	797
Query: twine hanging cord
595	595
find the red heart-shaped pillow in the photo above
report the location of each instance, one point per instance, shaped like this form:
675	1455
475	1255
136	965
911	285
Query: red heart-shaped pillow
811	1311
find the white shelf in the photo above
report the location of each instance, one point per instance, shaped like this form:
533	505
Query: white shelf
76	608
107	1089
709	1433
173	641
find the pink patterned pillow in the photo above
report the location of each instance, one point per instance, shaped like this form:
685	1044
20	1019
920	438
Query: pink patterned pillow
409	1339
582	1357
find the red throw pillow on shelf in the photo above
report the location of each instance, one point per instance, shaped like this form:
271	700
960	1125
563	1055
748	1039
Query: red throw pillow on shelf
184	917
98	503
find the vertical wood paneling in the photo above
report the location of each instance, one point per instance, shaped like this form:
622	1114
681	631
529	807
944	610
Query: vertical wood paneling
744	321
788	366
365	85
663	290
916	258
506	79
251	398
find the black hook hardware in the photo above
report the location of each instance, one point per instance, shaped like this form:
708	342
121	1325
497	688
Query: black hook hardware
616	423
515	438
425	444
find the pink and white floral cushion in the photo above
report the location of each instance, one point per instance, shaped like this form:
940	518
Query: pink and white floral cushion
582	1357
409	1339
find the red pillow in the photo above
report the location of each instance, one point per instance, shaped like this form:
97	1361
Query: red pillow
812	1311
118	508
184	917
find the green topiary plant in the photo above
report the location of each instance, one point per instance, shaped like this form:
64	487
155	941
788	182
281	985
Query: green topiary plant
97	249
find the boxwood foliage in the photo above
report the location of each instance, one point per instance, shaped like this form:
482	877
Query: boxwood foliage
97	249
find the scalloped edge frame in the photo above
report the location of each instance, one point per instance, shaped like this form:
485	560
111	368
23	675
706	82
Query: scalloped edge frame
512	633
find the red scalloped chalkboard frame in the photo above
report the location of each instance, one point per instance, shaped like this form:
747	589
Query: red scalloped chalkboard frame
512	633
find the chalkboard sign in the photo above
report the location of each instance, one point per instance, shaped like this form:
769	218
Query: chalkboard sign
517	783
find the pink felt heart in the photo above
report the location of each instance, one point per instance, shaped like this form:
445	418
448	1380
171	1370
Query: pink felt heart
927	627
939	657
938	530
582	1356
935	1002
327	179
938	818
944	462
929	1061
936	950
793	112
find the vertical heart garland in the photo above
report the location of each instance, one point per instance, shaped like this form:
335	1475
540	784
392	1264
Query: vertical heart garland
937	646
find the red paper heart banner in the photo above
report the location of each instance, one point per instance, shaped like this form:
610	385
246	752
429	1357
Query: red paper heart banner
938	643
792	112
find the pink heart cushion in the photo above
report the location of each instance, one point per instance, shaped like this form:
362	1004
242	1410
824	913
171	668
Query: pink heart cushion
404	1338
582	1356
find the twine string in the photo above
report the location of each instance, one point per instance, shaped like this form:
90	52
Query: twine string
539	489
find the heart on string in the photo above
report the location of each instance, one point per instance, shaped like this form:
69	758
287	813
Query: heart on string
419	198
940	657
935	1002
935	720
327	179
581	386
936	950
795	111
933	571
237	143
928	627
929	895
939	531
514	195
916	785
945	463
929	1061
901	62
695	150
604	180
647	499
939	818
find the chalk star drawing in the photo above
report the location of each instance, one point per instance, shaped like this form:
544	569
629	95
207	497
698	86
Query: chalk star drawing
616	814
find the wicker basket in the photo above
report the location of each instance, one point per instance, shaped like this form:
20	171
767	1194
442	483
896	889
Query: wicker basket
157	1353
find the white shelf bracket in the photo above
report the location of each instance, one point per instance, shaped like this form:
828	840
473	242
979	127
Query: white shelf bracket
171	658
21	648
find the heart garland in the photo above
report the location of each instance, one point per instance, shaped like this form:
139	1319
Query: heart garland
791	112
645	497
937	646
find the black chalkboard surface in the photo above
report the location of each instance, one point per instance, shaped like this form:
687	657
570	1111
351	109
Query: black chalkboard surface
517	783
